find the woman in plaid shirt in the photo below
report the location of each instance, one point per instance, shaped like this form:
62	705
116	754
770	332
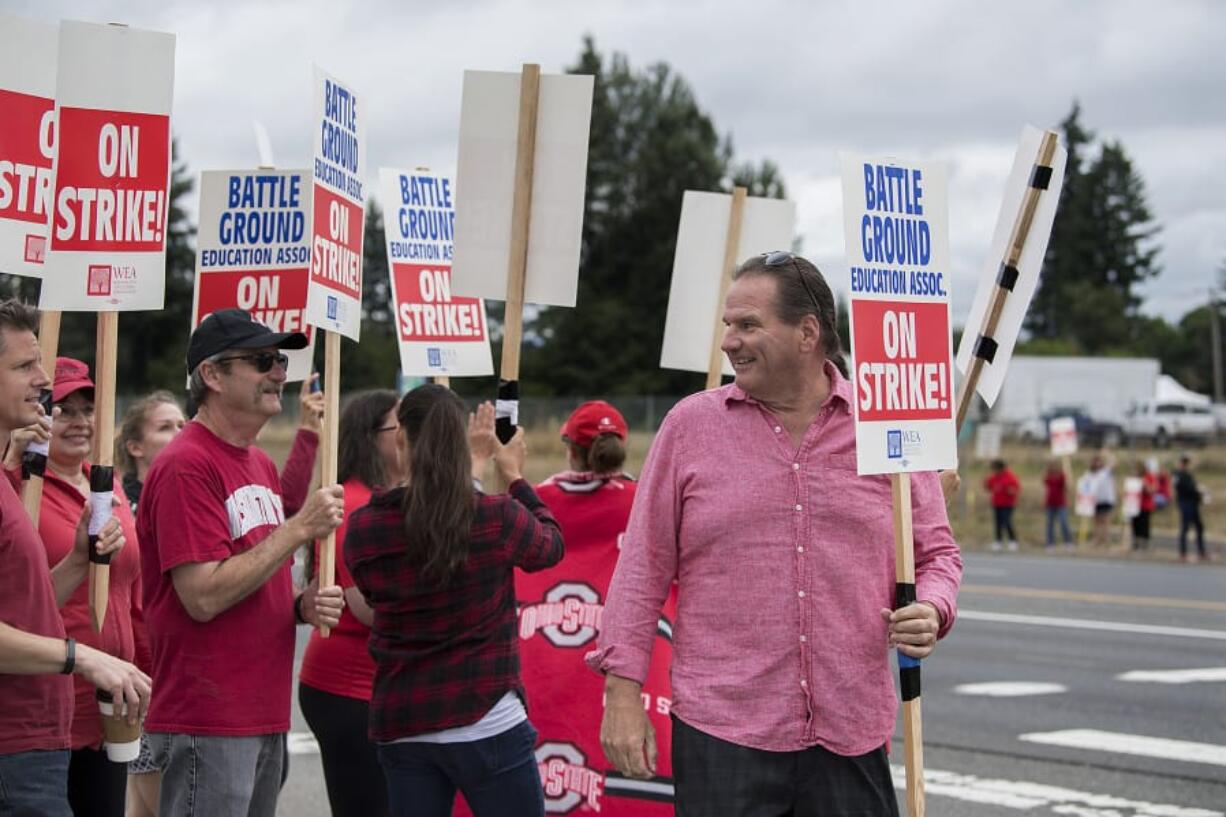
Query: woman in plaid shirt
435	560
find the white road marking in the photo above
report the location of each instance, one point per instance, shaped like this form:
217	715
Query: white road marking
1022	796
1174	676
1121	743
1010	689
302	743
1091	624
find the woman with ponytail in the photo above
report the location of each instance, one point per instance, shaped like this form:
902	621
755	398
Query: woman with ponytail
434	559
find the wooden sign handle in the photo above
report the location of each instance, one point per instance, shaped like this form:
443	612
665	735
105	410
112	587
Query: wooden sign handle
48	347
106	356
517	264
331	437
1000	292
732	245
908	668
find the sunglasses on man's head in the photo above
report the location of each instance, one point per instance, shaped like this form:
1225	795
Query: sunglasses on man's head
780	257
263	361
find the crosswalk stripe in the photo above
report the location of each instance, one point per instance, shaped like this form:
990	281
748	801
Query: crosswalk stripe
1174	676
1022	795
1010	689
1091	624
302	743
1142	745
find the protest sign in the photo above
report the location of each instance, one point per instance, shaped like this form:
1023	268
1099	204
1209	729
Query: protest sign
334	298
896	227
107	247
1062	431
699	265
1011	272
27	141
1086	497
486	177
522	170
1133	486
987	441
440	334
252	252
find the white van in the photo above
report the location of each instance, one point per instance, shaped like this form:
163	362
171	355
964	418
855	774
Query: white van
1165	420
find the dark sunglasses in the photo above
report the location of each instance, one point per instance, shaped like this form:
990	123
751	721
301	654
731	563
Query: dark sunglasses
263	361
778	258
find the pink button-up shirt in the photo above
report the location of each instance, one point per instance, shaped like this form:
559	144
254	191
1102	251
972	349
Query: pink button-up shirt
784	558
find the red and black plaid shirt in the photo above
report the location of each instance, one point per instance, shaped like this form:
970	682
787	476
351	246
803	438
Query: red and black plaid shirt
445	655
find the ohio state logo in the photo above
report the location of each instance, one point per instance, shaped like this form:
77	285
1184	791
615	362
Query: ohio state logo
569	615
567	780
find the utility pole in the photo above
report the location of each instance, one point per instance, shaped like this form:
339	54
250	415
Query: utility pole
1215	335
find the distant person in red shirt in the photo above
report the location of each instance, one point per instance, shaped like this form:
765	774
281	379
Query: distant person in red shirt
1003	486
334	685
36	655
217	536
1055	502
1140	522
435	559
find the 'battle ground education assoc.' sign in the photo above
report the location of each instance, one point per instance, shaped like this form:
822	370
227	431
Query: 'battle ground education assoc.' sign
439	333
896	229
334	300
253	251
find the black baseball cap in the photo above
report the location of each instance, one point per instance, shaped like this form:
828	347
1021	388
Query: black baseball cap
235	329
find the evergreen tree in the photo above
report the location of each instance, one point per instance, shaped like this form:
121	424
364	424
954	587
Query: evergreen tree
650	142
1101	248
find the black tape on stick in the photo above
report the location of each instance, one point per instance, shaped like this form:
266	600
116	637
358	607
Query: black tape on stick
908	667
985	348
101	492
506	410
34	460
1040	177
1007	276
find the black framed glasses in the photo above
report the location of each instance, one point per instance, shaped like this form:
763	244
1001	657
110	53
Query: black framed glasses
263	361
779	258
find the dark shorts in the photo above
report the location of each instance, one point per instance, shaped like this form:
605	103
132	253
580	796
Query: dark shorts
715	778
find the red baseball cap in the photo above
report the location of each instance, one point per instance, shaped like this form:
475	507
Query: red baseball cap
70	375
592	419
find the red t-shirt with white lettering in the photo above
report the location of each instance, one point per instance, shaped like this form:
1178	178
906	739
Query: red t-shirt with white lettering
204	501
36	709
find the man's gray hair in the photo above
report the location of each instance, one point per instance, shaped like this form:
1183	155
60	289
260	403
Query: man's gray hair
197	389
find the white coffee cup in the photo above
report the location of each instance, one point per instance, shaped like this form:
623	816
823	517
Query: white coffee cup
122	739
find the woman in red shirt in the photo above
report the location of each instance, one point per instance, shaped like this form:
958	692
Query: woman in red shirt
334	686
1055	502
435	560
1140	522
96	784
1004	487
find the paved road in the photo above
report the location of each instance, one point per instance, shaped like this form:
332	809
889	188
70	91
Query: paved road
1064	690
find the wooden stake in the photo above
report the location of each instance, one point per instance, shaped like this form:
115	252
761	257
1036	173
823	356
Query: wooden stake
49	347
105	357
517	263
904	578
1017	240
331	436
732	244
442	380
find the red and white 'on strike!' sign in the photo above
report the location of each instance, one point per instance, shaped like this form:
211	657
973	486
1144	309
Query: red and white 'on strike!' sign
902	360
427	311
111	183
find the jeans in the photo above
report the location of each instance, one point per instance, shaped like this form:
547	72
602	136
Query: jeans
1189	517
1060	514
1004	524
213	776
498	776
34	784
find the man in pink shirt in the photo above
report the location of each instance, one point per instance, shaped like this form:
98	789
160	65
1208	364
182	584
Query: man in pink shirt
783	700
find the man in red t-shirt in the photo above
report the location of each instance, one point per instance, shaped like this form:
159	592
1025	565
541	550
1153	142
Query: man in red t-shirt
220	605
34	720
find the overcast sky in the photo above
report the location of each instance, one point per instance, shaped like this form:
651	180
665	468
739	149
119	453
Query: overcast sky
794	82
